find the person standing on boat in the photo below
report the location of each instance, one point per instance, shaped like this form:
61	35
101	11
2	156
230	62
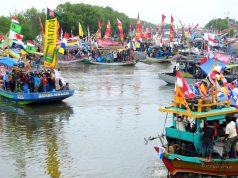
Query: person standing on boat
230	136
6	80
180	123
207	140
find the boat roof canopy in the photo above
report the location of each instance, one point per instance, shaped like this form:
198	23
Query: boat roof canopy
213	114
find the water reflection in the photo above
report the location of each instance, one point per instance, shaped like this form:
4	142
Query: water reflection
30	133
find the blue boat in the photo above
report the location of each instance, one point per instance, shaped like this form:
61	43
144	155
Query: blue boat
38	97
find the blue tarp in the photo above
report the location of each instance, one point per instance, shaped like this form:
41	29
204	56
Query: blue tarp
208	65
9	62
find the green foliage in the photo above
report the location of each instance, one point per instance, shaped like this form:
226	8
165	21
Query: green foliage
72	14
217	24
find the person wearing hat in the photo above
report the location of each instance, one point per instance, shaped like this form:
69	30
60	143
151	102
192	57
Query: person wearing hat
231	137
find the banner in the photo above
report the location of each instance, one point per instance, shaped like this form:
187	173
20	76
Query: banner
108	30
50	42
119	25
138	29
104	43
80	30
172	29
15	27
162	28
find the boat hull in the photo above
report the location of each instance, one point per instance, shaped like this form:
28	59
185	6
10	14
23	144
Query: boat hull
170	79
126	63
31	98
159	60
218	168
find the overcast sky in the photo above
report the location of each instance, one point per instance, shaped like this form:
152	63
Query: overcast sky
188	11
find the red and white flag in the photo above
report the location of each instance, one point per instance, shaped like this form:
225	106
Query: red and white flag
18	36
180	82
15	19
30	43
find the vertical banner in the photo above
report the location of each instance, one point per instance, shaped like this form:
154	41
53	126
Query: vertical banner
172	29
162	28
50	42
119	25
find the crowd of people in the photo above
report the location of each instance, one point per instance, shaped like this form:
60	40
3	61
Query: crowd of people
18	80
213	131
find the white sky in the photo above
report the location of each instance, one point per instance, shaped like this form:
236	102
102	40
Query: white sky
188	11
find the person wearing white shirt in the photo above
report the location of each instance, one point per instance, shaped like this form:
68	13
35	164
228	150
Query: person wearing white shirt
230	137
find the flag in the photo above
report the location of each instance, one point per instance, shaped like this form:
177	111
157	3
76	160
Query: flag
172	29
88	31
18	36
119	25
138	29
80	30
160	151
30	46
162	27
108	30
5	43
41	26
180	82
98	34
50	42
208	65
15	20
52	14
232	97
15	27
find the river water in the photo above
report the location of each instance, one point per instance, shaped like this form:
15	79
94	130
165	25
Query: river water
97	133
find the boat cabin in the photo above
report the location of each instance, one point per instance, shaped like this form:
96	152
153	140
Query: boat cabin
184	137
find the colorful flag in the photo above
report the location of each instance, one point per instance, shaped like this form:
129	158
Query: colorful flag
208	65
15	20
41	26
30	46
119	25
160	151
15	27
138	29
18	36
232	96
162	27
50	42
80	30
108	30
172	29
98	34
180	82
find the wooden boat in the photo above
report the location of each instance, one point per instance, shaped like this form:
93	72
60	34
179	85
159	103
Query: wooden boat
38	97
159	60
184	152
124	63
170	78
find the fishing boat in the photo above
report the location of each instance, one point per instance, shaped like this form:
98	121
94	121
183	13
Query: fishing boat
187	68
166	59
123	63
36	97
182	150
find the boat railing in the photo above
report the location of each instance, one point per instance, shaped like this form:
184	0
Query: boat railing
200	104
